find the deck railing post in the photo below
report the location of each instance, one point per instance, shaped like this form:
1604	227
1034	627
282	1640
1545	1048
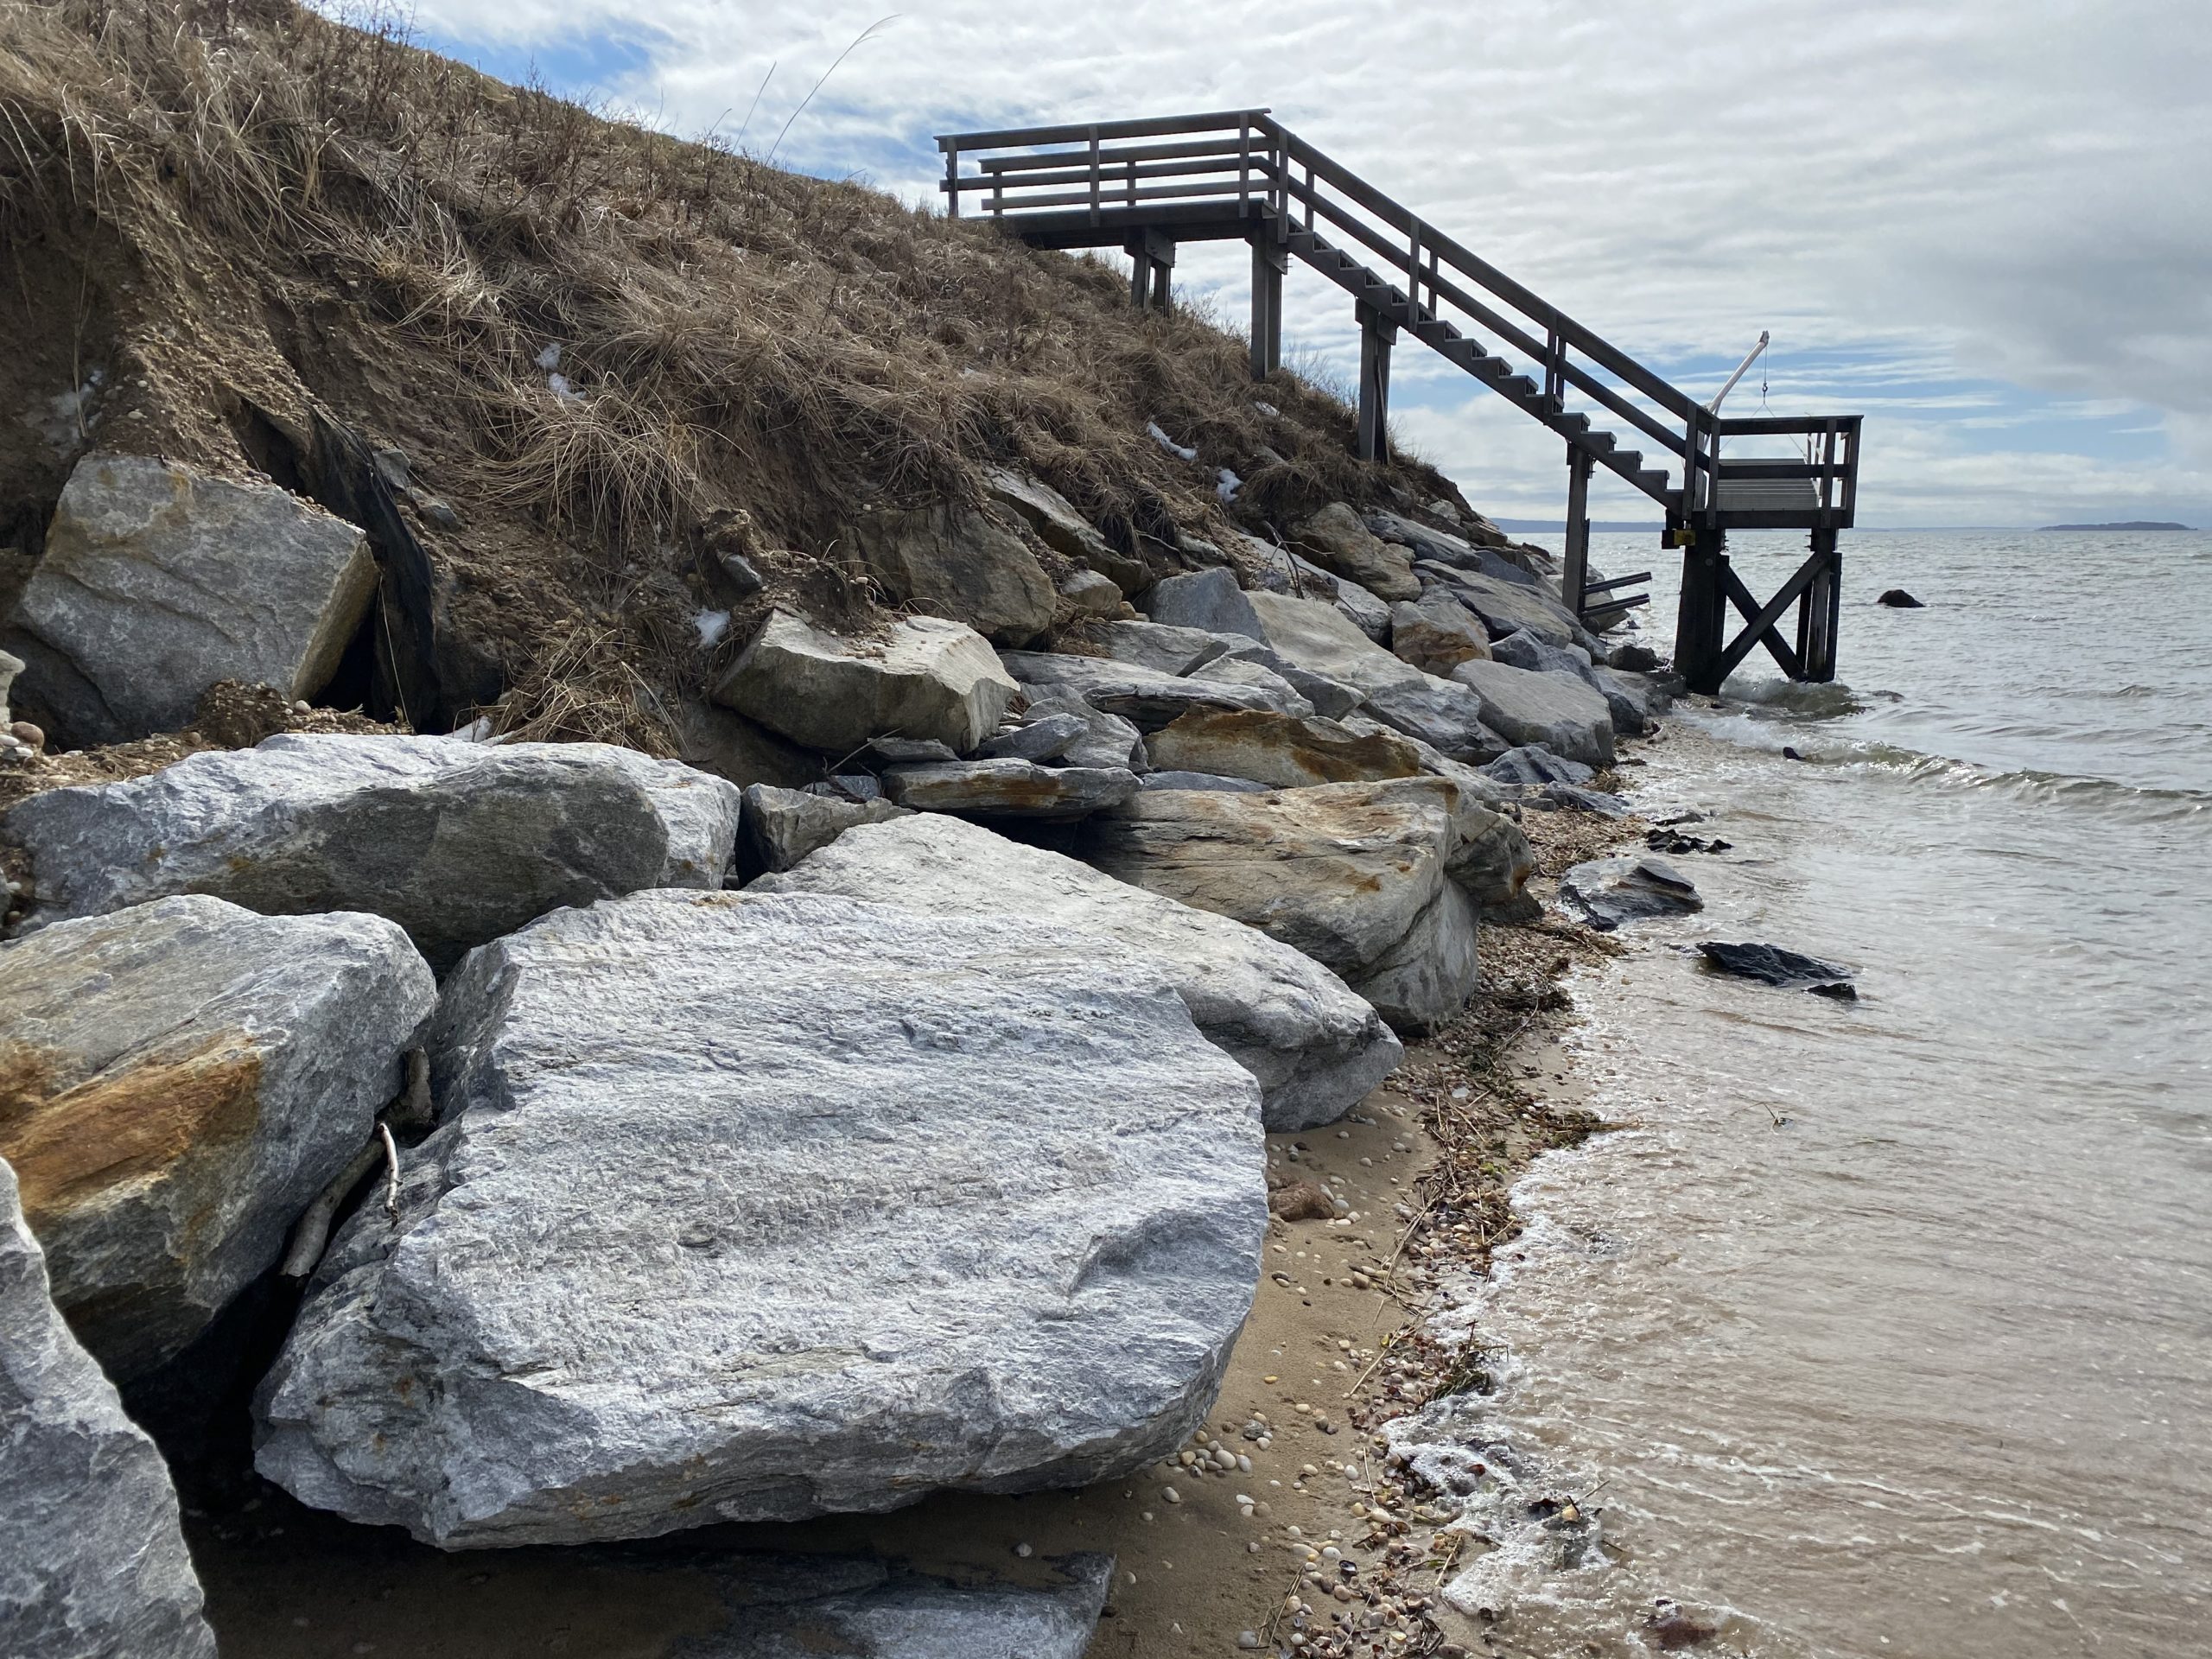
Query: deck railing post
1413	268
1096	179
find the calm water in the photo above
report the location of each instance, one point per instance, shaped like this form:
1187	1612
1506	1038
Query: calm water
1925	1369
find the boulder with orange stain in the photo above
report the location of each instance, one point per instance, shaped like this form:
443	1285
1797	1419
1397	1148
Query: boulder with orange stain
178	1080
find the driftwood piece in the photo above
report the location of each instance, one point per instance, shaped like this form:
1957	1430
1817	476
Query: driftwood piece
410	1111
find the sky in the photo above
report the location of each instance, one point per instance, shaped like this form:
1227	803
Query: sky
1986	224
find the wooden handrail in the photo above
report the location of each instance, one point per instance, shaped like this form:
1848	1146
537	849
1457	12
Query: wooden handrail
1159	126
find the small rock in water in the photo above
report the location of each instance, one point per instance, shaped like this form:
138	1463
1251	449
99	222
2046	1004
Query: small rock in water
1771	964
1898	599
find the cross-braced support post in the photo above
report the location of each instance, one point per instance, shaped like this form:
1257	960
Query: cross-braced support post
1574	570
1269	262
1820	612
1702	618
1377	333
1151	268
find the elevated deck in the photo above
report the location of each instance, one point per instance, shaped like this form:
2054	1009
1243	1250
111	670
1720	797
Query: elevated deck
1239	174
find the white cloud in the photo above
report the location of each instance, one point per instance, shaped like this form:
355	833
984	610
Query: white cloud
1993	191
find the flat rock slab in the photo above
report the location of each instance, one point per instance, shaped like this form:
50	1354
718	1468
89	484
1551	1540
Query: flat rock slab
182	1078
1009	789
1319	639
1354	875
1606	892
928	678
1159	646
456	842
1315	1047
782	826
757	1206
1104	739
1532	763
1145	698
1786	970
1203	781
91	1560
1279	750
1555	710
157	582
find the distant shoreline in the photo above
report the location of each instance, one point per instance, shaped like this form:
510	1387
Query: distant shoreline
2130	524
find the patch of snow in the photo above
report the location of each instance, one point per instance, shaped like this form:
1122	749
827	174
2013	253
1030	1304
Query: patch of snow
1168	443
712	626
1227	488
562	390
549	358
1266	408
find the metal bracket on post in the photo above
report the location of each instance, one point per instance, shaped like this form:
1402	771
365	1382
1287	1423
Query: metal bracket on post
1377	333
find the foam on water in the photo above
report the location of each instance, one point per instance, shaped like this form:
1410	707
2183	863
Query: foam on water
1888	1328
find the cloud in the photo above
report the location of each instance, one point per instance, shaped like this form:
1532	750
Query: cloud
2010	192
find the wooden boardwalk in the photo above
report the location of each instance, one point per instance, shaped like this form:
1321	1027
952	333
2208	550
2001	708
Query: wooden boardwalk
1146	186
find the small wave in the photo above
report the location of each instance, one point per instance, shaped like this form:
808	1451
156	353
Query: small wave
1796	698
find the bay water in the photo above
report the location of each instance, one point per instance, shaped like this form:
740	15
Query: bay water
1886	1327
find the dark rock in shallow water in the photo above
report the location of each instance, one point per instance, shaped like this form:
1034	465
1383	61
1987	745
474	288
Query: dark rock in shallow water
1532	763
1772	965
1575	798
1606	892
1898	599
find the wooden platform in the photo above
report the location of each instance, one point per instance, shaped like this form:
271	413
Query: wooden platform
1238	174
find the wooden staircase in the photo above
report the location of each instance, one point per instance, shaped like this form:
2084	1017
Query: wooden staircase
1147	185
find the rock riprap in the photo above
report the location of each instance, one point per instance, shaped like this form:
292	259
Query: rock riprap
962	565
1279	749
93	1565
157	582
760	1206
180	1079
1315	1047
782	826
928	678
456	842
1354	875
1009	789
1557	711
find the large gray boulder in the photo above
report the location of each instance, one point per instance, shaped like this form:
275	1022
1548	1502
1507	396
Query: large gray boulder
1320	639
1144	697
1507	606
1315	1048
1437	634
184	1077
1105	740
1354	875
1009	789
1364	611
1060	527
756	1207
456	842
1335	539
1625	705
927	678
1279	750
959	565
1555	710
782	826
157	581
93	1565
1478	532
1157	645
1209	600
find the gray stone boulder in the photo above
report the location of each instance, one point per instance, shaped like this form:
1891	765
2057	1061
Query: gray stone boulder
1279	750
1437	634
1444	714
1209	600
1525	650
1507	606
456	842
1158	645
1281	696
958	564
1532	763
1314	1047
10	665
757	1206
1556	710
1364	610
929	678
1606	892
1105	740
92	1564
157	581
185	1077
1086	593
1061	528
1476	532
1354	875
1203	781
782	826
1335	539
1009	789
1145	697
1044	738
